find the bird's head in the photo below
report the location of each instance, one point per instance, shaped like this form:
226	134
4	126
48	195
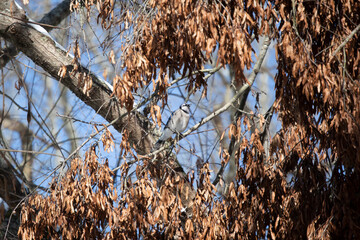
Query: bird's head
185	107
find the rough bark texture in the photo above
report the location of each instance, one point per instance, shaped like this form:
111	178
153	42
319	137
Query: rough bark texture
53	18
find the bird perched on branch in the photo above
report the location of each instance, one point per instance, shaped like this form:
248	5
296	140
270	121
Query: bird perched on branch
176	123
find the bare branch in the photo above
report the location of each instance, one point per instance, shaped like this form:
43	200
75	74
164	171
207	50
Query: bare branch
243	89
44	52
346	40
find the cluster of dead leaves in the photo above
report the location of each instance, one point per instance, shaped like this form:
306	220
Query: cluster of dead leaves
318	95
80	205
84	204
179	37
317	99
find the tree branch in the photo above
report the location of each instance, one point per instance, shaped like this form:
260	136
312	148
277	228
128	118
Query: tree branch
46	54
243	90
346	40
53	18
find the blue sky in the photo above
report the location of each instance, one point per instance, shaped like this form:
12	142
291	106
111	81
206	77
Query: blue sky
47	105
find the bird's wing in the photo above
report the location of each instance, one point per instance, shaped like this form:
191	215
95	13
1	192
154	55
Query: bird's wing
170	123
168	131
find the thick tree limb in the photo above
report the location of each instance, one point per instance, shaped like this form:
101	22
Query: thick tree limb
45	53
54	17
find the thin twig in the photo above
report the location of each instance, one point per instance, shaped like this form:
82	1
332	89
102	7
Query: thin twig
346	40
243	89
246	86
32	22
32	152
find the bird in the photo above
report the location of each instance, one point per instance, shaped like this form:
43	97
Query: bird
176	123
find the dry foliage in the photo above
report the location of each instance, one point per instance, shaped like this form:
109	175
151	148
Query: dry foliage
179	36
317	99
